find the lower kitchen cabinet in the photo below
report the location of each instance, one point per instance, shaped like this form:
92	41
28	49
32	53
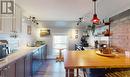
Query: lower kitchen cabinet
38	57
20	67
3	72
8	71
44	52
36	61
23	66
11	70
28	64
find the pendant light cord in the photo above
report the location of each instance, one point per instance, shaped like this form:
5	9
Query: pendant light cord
94	6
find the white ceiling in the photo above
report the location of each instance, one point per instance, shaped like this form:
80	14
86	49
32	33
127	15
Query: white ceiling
58	24
68	10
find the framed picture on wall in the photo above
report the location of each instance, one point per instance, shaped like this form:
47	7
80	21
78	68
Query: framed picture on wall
29	30
44	32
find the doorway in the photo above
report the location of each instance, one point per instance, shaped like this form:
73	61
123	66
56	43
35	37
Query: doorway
60	41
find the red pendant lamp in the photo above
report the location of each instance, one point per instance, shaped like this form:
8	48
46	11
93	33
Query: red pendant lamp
95	19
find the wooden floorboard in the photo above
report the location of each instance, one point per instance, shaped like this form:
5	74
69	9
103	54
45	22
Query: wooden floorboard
51	68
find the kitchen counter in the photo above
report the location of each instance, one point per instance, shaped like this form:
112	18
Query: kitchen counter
17	55
88	48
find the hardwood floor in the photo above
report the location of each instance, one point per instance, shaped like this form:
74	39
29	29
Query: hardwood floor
51	68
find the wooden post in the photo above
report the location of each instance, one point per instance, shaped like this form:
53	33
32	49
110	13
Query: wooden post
77	72
71	72
66	71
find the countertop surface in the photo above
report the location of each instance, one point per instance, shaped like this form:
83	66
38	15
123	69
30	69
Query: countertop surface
88	48
89	59
16	55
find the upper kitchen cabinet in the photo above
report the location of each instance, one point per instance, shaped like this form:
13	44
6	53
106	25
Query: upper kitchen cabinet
18	19
11	22
6	23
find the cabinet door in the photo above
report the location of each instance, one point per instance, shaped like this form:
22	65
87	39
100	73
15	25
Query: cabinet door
4	72
37	54
20	67
28	62
11	22
1	73
18	19
44	52
11	70
36	61
0	23
8	71
6	23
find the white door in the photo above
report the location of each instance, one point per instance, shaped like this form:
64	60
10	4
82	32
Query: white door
59	41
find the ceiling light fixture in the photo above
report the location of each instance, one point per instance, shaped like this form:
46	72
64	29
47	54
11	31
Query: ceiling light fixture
33	20
95	19
80	20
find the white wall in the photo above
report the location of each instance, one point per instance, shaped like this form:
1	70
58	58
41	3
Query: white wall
101	39
91	39
22	38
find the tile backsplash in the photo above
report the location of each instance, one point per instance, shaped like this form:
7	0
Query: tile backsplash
16	43
121	33
13	44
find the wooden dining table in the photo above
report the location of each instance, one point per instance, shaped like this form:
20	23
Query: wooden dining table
89	59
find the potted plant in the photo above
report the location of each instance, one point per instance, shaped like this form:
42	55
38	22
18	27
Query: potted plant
92	27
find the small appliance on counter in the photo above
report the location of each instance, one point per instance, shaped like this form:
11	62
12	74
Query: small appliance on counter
96	44
84	42
105	49
101	43
78	47
4	50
